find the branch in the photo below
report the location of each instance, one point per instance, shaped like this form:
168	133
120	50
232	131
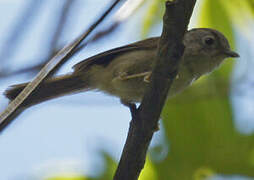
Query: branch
9	113
122	14
145	119
126	10
14	36
58	24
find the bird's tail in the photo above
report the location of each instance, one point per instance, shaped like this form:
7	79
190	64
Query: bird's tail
50	89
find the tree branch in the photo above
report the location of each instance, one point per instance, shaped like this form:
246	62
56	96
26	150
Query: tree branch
15	106
145	119
14	36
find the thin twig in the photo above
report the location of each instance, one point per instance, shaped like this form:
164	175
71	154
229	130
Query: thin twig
20	28
126	11
6	115
145	118
58	27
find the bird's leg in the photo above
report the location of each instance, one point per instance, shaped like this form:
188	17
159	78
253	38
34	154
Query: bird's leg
124	76
147	77
131	106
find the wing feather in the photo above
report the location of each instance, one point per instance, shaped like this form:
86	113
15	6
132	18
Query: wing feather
106	57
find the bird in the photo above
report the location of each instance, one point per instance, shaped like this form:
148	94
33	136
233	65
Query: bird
125	71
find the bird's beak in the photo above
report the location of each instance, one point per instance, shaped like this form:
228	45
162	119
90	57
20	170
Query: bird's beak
230	53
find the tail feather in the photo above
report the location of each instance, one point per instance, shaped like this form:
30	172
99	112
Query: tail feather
50	89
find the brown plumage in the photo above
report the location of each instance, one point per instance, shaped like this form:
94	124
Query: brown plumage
125	71
49	89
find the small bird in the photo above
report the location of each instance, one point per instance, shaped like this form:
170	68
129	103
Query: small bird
125	71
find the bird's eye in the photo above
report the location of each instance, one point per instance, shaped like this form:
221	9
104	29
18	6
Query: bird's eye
209	41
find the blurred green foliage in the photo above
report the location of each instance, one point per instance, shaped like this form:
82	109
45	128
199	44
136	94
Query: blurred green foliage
152	16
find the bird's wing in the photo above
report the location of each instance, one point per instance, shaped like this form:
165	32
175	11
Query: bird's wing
106	57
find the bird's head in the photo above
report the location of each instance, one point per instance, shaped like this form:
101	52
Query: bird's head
206	49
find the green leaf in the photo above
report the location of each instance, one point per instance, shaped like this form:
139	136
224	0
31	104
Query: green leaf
240	10
251	5
152	16
237	12
149	171
203	139
111	166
